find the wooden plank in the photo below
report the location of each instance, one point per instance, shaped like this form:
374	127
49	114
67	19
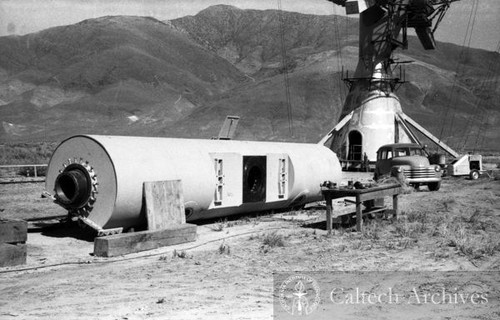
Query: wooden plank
126	243
336	214
359	215
341	193
12	254
379	194
429	135
164	204
395	205
402	123
13	231
329	208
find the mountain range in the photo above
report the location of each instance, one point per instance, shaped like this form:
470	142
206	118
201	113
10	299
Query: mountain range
134	75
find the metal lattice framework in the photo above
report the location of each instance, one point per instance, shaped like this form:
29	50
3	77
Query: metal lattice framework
392	18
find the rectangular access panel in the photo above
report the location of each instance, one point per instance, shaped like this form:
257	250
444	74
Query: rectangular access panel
227	188
277	183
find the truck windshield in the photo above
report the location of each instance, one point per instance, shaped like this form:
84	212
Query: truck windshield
401	152
416	152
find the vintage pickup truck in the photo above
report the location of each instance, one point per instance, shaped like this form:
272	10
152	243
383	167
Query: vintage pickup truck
410	161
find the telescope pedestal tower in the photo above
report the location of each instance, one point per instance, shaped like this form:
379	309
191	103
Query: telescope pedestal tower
372	115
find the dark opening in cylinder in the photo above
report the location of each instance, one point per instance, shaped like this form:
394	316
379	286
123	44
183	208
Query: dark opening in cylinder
254	178
72	188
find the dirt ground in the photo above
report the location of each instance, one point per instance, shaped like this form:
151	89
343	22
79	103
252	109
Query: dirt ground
227	273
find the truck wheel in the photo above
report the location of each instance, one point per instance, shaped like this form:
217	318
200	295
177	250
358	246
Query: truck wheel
474	175
434	186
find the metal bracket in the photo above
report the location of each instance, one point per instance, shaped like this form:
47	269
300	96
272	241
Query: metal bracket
47	195
100	231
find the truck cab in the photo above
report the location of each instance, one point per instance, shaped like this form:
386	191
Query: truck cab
410	161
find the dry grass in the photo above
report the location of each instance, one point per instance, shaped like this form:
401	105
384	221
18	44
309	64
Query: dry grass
473	234
180	254
224	248
26	153
273	239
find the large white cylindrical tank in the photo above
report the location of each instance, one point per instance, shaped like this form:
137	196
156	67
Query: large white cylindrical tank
373	124
101	177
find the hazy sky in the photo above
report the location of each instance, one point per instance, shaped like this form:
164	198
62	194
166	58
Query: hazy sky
26	16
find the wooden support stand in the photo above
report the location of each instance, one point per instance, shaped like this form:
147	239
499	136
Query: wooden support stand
125	243
13	236
166	223
361	195
164	204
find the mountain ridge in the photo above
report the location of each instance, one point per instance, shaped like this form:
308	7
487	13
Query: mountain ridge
182	77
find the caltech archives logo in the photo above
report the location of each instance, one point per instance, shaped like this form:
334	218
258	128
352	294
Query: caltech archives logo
299	295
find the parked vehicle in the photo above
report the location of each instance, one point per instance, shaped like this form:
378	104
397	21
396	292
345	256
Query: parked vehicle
410	161
468	165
